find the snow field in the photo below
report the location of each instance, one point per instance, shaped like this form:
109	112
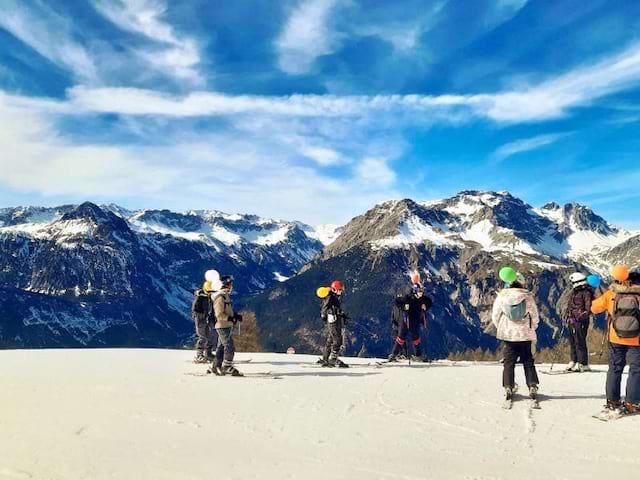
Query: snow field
124	414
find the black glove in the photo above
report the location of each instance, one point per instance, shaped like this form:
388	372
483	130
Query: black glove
237	317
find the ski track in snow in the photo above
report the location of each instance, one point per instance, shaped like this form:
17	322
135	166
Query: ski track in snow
151	414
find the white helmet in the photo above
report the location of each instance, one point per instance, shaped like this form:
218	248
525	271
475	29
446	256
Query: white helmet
211	276
578	278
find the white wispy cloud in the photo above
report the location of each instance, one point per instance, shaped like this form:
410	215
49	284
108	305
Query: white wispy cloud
51	35
550	99
526	145
175	55
35	158
306	35
376	172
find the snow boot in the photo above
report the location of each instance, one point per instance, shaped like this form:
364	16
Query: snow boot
533	392
632	408
584	368
211	356
392	358
570	366
231	370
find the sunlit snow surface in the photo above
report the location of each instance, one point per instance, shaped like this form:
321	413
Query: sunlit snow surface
153	414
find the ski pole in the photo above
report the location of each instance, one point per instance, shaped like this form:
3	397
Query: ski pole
409	331
605	335
555	357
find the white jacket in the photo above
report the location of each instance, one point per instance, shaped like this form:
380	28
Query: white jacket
515	331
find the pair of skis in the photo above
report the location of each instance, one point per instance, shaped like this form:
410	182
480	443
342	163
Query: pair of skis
534	402
607	415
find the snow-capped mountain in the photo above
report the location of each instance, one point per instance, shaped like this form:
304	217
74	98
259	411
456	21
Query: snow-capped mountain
458	245
91	275
104	275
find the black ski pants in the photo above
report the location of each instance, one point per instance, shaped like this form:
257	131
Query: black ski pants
578	342
407	326
513	350
618	356
334	340
204	332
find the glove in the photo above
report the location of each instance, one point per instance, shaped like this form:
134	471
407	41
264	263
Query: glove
406	306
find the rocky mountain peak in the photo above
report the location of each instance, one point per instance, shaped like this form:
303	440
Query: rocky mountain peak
99	224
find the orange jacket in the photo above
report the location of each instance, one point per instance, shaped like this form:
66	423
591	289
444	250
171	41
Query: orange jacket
606	302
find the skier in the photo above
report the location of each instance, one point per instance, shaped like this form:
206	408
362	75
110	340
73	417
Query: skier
576	319
515	317
331	312
396	320
226	320
622	302
414	307
204	321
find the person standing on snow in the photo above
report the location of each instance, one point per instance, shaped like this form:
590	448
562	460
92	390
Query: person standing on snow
226	320
515	318
576	318
413	308
622	302
331	312
204	321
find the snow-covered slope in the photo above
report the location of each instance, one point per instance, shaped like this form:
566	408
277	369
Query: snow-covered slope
105	414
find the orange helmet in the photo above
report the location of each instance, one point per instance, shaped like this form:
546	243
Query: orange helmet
620	273
337	285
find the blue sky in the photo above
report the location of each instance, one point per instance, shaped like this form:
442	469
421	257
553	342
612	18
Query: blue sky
317	109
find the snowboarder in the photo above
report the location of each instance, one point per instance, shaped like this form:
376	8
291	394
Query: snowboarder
331	312
576	319
226	320
204	321
413	308
622	302
515	317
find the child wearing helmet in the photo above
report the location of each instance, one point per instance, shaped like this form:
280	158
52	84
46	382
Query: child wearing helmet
332	313
515	318
576	319
413	308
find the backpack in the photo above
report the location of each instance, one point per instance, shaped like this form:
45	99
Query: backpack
515	313
201	305
626	315
577	307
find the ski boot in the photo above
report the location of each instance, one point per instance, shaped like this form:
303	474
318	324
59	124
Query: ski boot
570	366
392	358
612	410
631	408
533	396
577	368
509	392
324	363
231	370
340	364
584	367
211	356
200	357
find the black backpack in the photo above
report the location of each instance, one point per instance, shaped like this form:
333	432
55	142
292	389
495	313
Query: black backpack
626	315
201	305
